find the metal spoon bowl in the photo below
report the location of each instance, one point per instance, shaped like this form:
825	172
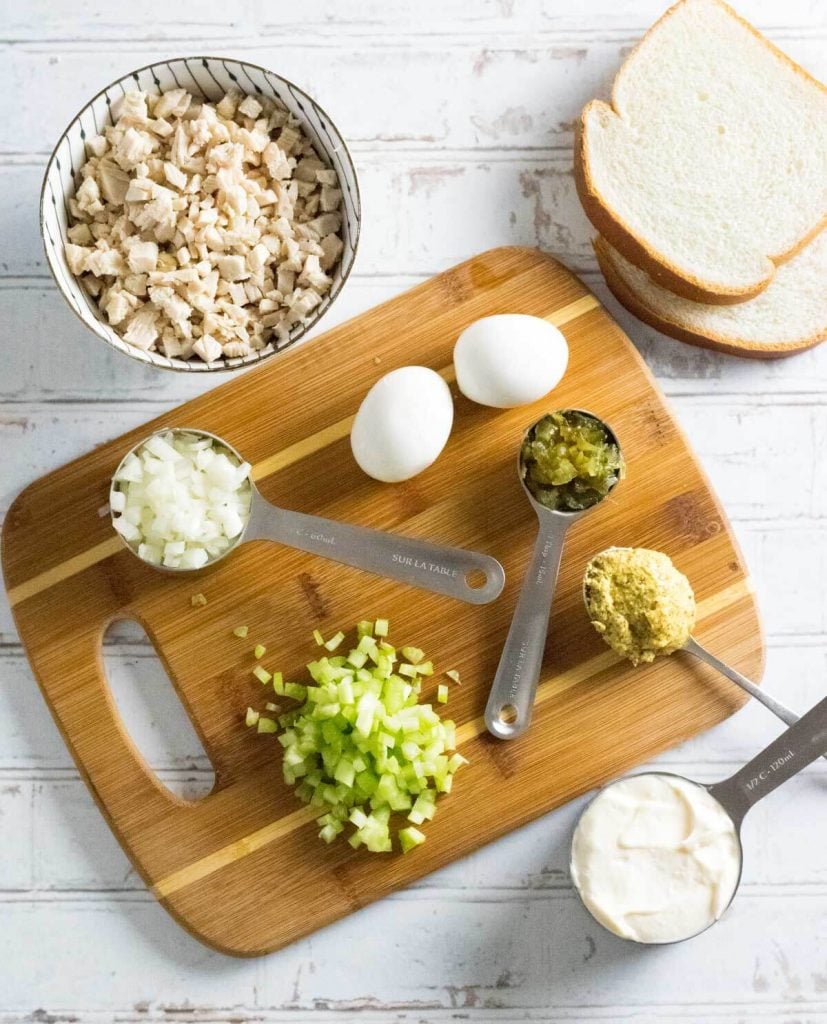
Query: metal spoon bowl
511	700
782	759
433	567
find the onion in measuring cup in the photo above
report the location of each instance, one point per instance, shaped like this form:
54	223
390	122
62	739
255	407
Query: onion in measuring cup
180	499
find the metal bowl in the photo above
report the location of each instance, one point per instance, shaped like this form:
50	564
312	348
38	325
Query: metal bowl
208	78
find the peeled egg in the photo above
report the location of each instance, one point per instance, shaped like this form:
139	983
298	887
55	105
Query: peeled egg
402	424
509	359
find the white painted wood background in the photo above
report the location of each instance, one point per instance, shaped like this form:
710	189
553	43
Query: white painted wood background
460	116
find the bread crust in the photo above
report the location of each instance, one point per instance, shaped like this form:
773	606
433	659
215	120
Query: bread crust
716	342
637	250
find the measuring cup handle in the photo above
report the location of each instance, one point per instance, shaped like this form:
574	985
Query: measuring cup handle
442	570
785	757
511	700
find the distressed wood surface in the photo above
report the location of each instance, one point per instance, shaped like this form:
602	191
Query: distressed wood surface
449	166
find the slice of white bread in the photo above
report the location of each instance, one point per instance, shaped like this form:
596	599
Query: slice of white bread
787	317
710	166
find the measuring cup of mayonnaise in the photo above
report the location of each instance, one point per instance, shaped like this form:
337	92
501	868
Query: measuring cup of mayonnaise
200	487
656	858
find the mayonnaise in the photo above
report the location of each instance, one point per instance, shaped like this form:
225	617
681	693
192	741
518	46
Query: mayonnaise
655	858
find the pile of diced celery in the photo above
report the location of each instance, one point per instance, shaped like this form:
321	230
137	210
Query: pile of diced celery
361	747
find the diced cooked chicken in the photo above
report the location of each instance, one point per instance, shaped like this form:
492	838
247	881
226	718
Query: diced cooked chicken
332	247
312	276
114	182
80	234
105	262
139	190
205	230
142	330
97	145
173	103
88	197
228	105
174	175
136	284
232	268
133	147
331	199
77	256
208	348
132	109
142	257
249	107
236	349
165	299
118	304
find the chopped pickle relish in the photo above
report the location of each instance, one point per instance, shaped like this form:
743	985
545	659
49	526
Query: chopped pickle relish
570	461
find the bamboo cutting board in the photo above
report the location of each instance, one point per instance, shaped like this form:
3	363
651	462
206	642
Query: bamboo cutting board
242	868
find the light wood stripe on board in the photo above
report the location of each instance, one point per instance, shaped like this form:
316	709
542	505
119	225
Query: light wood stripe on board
241	848
272	464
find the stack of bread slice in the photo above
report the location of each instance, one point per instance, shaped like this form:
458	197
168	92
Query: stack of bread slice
706	177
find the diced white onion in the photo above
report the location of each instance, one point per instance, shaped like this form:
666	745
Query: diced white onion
180	500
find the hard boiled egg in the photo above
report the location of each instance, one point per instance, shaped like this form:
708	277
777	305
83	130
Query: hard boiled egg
509	359
402	424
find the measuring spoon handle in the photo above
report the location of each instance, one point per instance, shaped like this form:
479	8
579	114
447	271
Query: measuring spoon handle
511	700
785	757
780	710
442	570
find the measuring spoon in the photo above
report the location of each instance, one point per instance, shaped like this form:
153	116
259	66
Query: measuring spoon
442	570
511	700
697	650
777	763
778	709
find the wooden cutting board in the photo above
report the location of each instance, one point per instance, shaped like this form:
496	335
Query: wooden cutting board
242	868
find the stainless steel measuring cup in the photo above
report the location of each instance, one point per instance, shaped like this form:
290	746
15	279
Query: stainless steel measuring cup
434	567
785	757
511	700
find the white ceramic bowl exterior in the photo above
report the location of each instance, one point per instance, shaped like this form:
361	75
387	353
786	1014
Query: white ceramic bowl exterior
209	78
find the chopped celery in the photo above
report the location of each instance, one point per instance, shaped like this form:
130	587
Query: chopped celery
259	651
252	717
361	747
367	645
317	636
357	659
442	693
240	631
334	641
262	675
453	675
410	837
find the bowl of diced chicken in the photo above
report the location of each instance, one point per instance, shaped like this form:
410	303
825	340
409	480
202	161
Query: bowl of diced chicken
200	214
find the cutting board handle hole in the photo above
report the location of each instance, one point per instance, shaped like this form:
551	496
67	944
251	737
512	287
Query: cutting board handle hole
152	713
